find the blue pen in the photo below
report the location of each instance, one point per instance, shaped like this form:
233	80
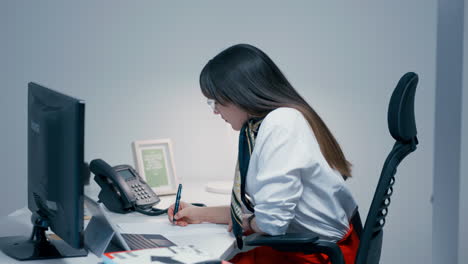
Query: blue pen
177	200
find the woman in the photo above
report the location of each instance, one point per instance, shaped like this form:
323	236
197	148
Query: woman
291	171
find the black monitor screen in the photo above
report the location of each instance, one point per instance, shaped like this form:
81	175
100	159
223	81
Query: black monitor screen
56	175
56	161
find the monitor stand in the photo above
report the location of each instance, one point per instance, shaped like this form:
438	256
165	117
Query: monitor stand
39	247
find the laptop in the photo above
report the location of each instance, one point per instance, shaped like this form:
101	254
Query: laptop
102	235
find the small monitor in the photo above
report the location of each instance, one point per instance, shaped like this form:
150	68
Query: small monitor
56	176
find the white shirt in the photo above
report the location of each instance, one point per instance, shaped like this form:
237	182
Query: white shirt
291	185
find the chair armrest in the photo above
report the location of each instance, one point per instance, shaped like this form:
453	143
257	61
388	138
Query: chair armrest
306	243
287	239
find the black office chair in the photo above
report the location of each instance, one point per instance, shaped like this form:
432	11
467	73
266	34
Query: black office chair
402	126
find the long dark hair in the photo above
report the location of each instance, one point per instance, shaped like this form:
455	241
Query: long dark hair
246	77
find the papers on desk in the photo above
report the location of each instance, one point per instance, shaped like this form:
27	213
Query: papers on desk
212	238
186	235
174	254
163	226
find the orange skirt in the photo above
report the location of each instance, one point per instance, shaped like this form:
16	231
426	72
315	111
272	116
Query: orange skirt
348	244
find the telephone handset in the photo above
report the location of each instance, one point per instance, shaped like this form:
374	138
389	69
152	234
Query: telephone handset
123	190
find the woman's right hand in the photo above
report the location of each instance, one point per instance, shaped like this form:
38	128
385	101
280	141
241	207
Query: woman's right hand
187	214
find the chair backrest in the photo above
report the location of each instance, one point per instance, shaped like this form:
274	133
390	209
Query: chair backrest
402	126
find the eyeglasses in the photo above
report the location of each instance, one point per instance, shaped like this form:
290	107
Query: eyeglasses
212	104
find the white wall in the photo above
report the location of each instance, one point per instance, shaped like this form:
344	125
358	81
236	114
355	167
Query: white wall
463	237
463	228
447	147
137	66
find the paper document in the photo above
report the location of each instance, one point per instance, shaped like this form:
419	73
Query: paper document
163	226
175	254
212	238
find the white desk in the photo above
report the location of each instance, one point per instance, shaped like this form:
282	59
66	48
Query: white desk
217	243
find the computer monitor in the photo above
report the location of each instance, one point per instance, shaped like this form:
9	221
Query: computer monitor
56	175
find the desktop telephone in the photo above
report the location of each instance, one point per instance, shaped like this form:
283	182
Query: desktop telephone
123	190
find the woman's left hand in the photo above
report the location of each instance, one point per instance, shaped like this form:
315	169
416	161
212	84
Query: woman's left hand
230	225
246	226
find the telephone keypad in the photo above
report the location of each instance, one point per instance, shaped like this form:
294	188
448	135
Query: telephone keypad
141	194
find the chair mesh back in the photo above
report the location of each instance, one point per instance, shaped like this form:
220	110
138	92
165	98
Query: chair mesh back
403	128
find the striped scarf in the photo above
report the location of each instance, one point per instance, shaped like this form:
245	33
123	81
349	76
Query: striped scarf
247	136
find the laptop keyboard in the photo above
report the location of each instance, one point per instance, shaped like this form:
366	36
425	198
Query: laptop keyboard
137	241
